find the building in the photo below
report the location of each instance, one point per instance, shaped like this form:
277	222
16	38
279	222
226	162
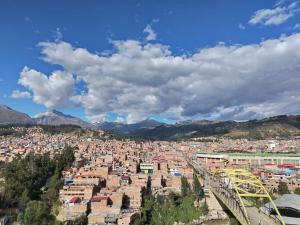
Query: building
146	167
253	159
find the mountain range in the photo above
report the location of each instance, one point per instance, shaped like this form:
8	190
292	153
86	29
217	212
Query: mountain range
277	126
10	116
55	118
128	128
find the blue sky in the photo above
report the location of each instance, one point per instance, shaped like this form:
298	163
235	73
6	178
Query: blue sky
188	33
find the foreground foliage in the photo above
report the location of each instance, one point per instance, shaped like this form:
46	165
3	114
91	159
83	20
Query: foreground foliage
32	184
165	210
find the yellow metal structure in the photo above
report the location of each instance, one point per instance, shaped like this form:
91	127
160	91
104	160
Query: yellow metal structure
246	186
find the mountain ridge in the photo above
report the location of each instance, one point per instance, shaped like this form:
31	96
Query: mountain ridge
10	116
55	118
270	127
128	128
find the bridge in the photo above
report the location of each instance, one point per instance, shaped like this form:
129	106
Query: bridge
238	190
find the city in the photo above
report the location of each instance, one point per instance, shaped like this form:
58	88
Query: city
111	179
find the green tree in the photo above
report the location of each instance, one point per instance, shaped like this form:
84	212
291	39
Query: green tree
297	191
204	208
24	199
28	173
53	186
81	220
233	221
185	186
65	158
283	188
175	198
164	214
187	212
37	213
197	187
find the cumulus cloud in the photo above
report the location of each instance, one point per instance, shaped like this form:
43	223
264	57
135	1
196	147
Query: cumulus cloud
57	34
241	26
296	26
20	94
278	14
53	91
151	35
138	80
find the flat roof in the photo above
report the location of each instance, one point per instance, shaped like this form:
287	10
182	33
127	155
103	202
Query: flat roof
265	154
287	201
261	154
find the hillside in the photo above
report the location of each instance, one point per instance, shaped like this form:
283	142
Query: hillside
55	118
128	128
10	116
278	126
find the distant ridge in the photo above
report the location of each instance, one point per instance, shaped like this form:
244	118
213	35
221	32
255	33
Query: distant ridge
55	118
281	126
10	116
128	128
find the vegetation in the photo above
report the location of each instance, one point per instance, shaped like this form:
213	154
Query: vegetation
198	191
174	207
37	213
185	186
6	130
60	129
233	221
283	188
82	220
278	126
32	184
297	191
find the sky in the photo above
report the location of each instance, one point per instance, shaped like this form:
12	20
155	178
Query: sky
168	60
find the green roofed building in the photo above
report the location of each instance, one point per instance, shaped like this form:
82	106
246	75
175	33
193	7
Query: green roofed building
257	159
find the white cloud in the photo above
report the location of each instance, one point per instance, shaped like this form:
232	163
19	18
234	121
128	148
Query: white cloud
53	91
241	26
151	35
20	94
57	35
137	80
278	14
296	26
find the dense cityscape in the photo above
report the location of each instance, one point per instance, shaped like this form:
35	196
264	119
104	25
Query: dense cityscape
111	181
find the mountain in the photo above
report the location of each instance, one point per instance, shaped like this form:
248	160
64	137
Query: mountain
55	118
10	116
128	128
278	126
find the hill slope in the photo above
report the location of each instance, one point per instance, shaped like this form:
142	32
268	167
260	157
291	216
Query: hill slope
281	126
10	116
55	118
128	128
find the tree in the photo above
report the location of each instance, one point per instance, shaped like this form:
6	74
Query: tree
24	199
197	187
29	173
283	188
297	191
81	220
185	186
37	213
204	208
55	183
233	221
65	158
